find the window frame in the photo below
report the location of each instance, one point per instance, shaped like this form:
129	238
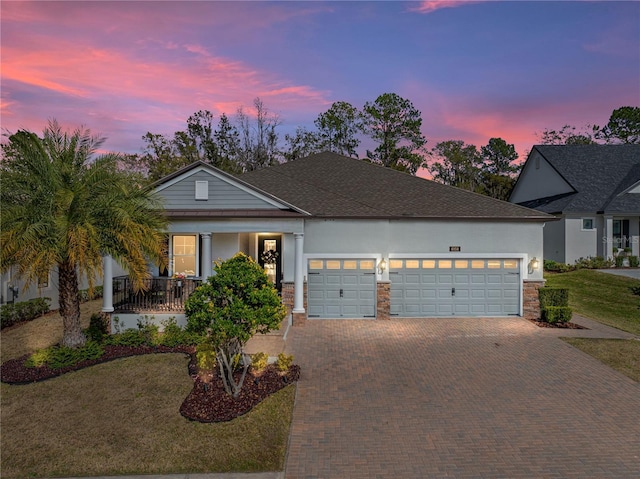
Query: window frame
593	224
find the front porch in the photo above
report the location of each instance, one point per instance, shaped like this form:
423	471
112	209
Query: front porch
158	295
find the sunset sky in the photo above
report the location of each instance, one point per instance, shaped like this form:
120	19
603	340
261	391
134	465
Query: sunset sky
475	70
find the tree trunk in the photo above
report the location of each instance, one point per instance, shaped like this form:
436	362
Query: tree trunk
72	335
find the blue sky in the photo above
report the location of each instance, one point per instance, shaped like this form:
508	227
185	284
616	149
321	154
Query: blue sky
475	70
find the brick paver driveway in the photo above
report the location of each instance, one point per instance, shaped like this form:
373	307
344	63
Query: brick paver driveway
456	398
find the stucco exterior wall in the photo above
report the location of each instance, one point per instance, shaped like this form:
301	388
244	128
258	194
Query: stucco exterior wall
384	237
580	243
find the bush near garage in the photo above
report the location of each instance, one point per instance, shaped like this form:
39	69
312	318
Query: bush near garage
554	304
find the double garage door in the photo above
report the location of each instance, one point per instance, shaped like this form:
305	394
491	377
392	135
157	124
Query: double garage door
346	288
454	287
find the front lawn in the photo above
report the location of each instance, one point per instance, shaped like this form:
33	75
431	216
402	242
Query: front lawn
603	297
123	417
623	355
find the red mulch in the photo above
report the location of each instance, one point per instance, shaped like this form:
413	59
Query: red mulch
207	402
569	325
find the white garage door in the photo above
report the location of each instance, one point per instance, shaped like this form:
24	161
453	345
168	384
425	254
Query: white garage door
454	287
341	288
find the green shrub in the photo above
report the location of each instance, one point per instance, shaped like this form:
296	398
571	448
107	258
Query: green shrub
259	361
98	328
553	297
57	357
284	362
634	261
128	337
553	266
173	335
206	356
619	261
591	262
13	313
87	295
556	314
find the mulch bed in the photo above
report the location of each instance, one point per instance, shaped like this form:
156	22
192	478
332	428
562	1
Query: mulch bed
569	325
207	401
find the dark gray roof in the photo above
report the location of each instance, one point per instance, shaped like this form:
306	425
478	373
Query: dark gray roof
334	186
599	174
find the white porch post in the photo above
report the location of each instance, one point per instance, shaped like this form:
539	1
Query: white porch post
107	284
207	269
608	236
298	275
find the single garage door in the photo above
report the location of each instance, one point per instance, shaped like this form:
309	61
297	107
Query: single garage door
341	288
454	287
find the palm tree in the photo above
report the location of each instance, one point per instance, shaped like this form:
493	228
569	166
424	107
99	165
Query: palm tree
63	208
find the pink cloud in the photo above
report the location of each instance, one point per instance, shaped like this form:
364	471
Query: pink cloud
429	6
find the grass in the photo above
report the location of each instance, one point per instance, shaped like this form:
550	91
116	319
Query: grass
623	355
122	418
608	299
603	297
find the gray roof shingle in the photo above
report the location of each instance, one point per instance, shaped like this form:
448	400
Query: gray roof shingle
599	174
334	186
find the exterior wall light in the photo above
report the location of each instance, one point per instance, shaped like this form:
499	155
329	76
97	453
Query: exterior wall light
534	264
382	265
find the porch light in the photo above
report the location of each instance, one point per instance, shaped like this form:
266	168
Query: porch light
534	264
382	265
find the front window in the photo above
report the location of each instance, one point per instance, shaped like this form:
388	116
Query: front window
184	255
587	224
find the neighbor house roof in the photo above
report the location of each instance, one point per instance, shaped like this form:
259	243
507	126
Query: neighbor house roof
329	185
600	176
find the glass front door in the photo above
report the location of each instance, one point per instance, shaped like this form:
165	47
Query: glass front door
270	258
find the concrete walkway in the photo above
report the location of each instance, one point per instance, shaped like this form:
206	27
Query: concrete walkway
458	398
628	272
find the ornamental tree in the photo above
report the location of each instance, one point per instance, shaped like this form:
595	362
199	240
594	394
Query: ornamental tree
233	305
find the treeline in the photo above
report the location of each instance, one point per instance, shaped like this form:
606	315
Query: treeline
249	141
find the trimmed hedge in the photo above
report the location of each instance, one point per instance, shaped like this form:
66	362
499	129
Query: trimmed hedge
553	297
14	313
554	304
557	314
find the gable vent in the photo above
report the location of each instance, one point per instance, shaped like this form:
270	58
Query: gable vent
202	190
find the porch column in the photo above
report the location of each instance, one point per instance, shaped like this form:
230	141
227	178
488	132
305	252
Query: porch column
608	237
107	284
207	269
298	275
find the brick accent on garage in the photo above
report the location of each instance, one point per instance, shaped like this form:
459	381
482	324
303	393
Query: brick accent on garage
383	301
530	299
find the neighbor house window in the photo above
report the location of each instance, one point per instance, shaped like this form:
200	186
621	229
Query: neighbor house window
184	255
587	224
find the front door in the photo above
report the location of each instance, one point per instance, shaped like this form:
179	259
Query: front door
270	257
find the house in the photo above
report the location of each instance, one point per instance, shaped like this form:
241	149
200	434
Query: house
344	238
593	189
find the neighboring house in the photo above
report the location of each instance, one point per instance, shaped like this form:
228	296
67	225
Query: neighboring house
346	239
593	189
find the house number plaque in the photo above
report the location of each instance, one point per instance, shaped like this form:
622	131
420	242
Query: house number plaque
455	248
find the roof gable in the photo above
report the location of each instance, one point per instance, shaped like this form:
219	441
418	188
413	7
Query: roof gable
202	187
601	176
335	186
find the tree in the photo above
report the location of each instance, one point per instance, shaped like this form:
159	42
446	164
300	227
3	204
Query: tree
233	305
228	144
258	143
623	126
394	124
160	157
568	135
497	170
459	164
498	157
338	128
63	208
302	144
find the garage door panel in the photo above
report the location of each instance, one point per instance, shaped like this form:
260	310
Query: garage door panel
412	279
411	294
345	288
482	287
